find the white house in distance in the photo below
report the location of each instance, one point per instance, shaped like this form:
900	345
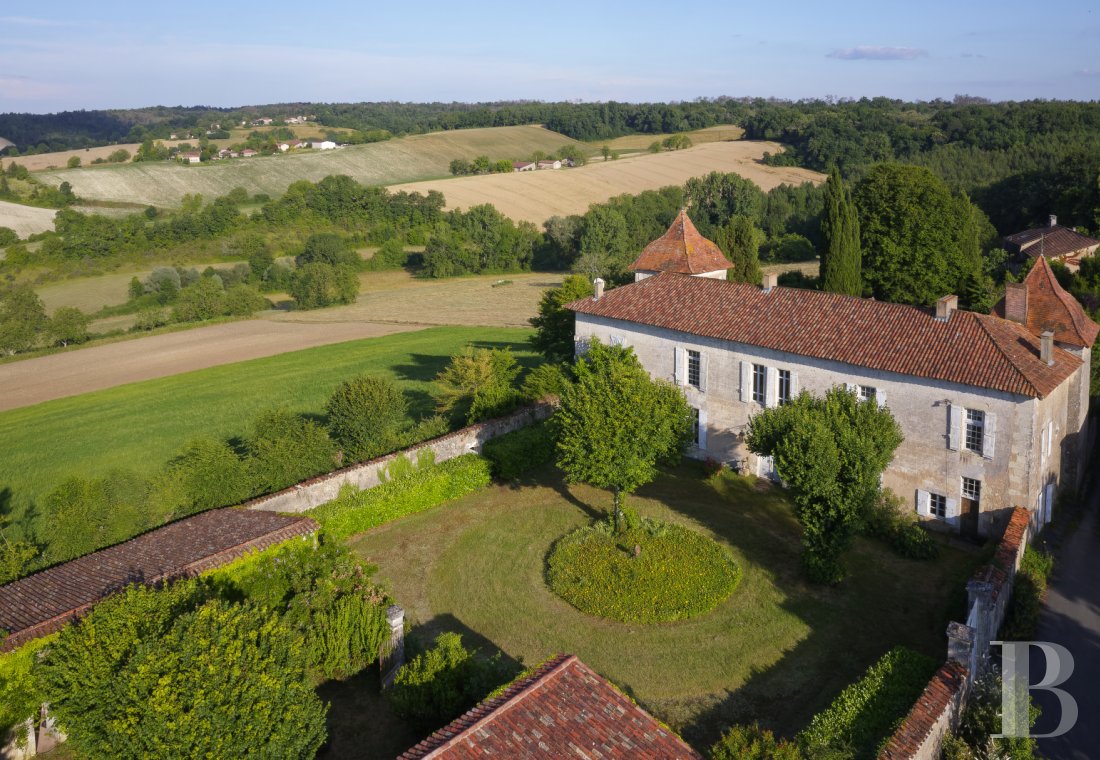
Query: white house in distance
523	166
191	158
993	407
323	144
549	163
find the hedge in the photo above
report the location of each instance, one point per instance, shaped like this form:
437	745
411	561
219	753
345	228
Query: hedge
867	712
414	490
514	454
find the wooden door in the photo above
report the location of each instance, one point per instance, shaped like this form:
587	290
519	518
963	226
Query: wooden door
969	517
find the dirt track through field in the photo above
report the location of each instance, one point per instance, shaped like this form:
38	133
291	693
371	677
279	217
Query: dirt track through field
33	381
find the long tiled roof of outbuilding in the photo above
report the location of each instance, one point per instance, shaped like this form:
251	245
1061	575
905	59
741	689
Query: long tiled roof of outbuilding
562	710
970	349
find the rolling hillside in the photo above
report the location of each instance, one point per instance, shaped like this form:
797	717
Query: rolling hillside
404	159
536	196
26	220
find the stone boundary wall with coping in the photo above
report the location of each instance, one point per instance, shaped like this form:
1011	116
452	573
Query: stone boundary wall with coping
940	706
324	488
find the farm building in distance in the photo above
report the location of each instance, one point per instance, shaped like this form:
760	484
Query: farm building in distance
1053	242
993	408
323	144
549	163
523	166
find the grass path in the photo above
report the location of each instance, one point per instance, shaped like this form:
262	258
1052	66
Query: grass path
776	651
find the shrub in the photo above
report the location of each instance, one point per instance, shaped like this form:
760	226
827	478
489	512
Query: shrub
982	719
391	255
164	673
243	300
866	713
323	594
887	519
365	415
547	382
514	454
441	683
285	449
68	325
677	574
8	236
150	320
753	743
204	299
20	692
426	487
81	515
1027	595
208	474
328	248
478	385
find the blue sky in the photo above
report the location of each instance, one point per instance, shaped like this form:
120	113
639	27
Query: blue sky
68	55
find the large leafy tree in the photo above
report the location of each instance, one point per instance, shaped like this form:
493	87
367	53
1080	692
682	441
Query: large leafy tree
605	245
841	260
830	452
919	241
22	319
164	673
554	325
616	423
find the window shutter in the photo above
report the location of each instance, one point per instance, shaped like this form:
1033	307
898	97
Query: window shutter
952	511
924	503
990	435
851	388
702	428
771	389
746	381
881	396
678	362
794	385
954	425
703	371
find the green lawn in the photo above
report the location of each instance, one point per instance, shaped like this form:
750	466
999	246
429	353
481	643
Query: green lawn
776	651
140	426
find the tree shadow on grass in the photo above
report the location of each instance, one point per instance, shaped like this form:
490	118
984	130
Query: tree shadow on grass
425	367
361	723
847	628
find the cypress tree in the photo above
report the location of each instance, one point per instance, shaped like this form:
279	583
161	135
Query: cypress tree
740	241
841	261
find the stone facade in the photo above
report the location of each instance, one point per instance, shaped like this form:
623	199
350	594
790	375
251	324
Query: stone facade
1029	443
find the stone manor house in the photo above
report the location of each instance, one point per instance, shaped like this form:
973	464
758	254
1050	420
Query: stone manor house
993	407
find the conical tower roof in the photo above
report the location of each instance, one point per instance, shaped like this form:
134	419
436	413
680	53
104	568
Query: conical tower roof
683	250
1050	307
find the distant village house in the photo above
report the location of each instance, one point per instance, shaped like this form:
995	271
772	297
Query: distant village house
192	157
549	163
523	166
323	144
1054	243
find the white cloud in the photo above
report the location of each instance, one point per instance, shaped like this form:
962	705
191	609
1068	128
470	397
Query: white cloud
877	53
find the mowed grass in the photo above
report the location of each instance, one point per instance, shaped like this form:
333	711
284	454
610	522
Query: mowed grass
405	159
776	651
536	196
142	425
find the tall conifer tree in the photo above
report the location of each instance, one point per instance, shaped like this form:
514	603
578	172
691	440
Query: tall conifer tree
842	260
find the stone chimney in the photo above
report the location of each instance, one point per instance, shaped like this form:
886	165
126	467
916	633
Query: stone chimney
598	284
1053	220
1046	347
1016	302
945	306
770	282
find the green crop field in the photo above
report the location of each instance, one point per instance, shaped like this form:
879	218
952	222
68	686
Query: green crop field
142	425
404	159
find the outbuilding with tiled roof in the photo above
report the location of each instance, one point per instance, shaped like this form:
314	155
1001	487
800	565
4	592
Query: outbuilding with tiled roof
1053	242
562	710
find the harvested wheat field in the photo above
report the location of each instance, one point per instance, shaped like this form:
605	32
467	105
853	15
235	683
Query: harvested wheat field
536	196
718	133
164	183
26	220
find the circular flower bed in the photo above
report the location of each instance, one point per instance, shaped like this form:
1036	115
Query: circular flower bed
652	572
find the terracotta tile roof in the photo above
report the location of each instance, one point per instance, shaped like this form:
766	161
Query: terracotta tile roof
563	710
971	349
1053	241
910	738
1050	307
42	603
682	249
